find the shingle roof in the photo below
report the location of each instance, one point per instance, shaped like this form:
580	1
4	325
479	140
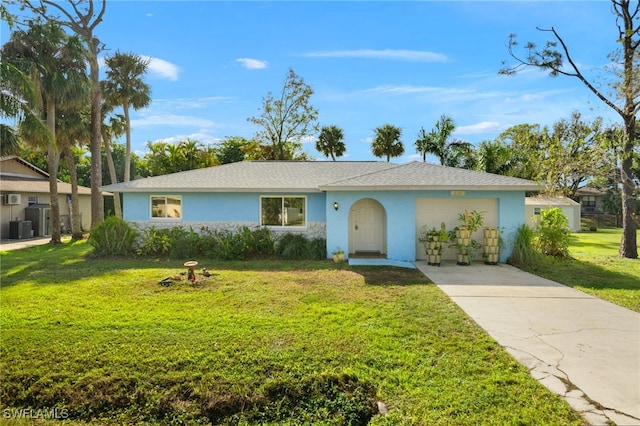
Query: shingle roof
549	201
315	176
415	175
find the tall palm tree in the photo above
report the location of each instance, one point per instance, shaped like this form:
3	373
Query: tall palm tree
124	87
331	142
450	153
387	142
73	127
114	129
56	65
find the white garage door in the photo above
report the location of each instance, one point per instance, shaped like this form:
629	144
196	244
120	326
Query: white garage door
433	211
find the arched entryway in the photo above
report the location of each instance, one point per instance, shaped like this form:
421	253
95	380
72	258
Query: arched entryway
367	228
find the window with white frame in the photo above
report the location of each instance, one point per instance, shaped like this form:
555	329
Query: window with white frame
33	199
166	206
283	211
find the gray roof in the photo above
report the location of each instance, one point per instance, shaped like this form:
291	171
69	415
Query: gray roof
317	176
550	201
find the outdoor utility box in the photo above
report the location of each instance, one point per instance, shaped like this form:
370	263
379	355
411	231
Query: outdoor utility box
19	229
40	217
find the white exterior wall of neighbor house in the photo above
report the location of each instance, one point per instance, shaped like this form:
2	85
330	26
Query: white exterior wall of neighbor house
402	224
570	209
222	211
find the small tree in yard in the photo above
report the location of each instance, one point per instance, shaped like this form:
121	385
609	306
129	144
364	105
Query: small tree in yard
626	66
387	142
553	233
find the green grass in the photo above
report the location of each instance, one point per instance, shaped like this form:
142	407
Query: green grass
262	342
596	268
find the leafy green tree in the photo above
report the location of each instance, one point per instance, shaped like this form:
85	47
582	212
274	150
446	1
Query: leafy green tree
287	119
555	58
164	158
55	62
124	87
387	143
232	150
331	142
552	233
564	156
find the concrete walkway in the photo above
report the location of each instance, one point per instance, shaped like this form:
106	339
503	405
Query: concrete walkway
583	348
7	245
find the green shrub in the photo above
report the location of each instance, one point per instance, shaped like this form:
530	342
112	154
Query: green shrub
292	247
261	241
155	242
553	233
113	237
524	250
318	249
230	245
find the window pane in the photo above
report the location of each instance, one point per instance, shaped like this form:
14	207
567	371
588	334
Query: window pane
271	211
174	207
158	207
294	211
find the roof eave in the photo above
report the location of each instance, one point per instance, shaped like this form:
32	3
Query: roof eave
434	188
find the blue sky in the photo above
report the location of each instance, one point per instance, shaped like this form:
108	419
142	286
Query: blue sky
369	63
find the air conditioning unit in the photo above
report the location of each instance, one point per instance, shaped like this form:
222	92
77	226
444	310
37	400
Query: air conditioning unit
13	199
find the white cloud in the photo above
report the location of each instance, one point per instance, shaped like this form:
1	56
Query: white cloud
252	64
388	54
189	103
172	120
479	128
161	68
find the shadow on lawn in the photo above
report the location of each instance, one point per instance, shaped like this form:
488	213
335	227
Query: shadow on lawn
72	261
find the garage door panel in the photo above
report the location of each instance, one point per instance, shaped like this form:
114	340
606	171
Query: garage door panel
433	211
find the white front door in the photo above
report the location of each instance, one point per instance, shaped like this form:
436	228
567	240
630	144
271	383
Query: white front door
367	227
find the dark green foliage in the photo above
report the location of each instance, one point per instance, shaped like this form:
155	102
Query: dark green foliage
113	237
553	233
318	249
292	247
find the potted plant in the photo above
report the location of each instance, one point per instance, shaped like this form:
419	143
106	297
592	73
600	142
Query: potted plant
492	243
462	235
432	240
338	255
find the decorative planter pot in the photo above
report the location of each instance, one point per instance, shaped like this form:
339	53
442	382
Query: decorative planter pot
463	259
491	246
434	259
338	258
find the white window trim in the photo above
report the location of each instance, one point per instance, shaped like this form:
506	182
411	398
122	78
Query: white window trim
173	219
284	227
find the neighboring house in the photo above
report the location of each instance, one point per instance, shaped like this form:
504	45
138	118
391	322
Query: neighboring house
364	208
590	199
570	208
25	198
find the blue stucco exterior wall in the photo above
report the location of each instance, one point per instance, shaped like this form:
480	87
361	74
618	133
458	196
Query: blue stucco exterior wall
217	207
400	208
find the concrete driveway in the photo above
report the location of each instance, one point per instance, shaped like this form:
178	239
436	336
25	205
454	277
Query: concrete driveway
583	348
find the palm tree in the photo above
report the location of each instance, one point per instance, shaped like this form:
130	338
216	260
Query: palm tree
124	87
422	143
114	129
331	142
72	128
450	153
56	64
387	142
496	157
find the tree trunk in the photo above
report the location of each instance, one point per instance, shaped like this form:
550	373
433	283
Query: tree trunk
127	151
97	203
53	159
76	221
629	243
112	173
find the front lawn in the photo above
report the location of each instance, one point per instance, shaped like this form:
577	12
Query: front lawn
263	342
596	268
